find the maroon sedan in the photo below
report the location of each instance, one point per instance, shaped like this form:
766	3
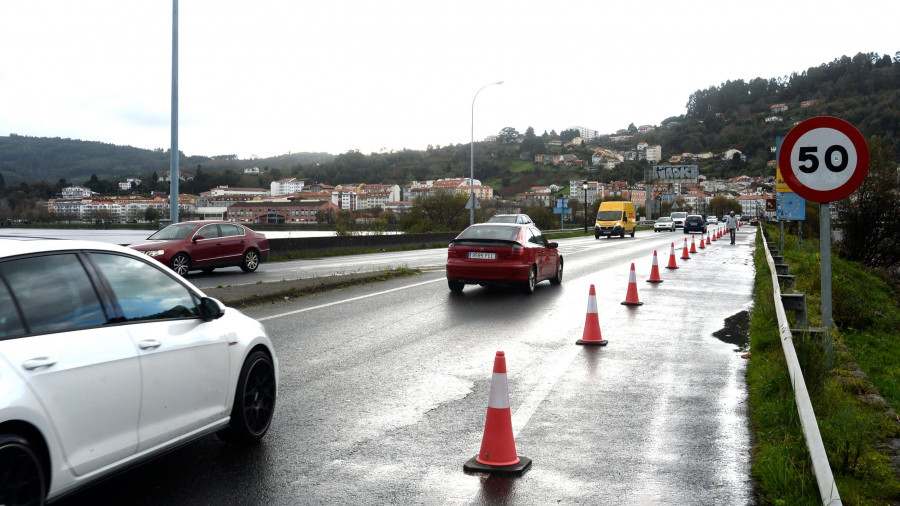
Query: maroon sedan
500	253
205	245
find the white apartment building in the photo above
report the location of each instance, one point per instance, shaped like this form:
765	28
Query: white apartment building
576	190
285	187
654	153
76	192
345	199
585	132
223	191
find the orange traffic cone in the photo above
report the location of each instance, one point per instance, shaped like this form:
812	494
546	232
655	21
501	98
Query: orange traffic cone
631	298
693	247
591	333
707	237
672	264
715	235
684	252
654	271
702	246
498	448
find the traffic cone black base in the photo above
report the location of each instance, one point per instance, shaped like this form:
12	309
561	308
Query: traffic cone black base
473	466
592	343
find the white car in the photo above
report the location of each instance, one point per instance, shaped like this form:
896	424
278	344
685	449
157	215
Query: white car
108	358
712	220
678	217
664	223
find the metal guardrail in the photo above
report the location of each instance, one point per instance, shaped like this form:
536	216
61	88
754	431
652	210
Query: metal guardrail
822	470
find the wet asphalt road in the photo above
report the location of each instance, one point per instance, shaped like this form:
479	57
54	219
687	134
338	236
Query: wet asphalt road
385	388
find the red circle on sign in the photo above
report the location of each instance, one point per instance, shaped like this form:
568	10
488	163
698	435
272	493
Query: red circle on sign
824	122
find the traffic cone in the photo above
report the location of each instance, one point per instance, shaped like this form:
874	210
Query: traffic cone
672	264
684	252
707	237
591	333
693	247
498	448
715	235
654	271
631	298
702	246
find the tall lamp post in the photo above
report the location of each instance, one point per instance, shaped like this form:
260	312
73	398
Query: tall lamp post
472	158
584	186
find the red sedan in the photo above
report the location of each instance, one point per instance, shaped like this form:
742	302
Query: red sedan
500	253
206	245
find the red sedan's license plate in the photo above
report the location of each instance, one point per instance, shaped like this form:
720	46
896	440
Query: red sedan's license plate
482	255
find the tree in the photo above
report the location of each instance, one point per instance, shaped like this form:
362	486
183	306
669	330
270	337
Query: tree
507	135
568	135
441	212
869	219
631	128
151	214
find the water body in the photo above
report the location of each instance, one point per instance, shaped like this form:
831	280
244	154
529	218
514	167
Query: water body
131	236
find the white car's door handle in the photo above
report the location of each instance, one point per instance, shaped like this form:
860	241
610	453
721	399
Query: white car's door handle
38	362
149	344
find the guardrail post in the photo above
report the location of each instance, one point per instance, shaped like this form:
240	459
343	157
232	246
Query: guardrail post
796	302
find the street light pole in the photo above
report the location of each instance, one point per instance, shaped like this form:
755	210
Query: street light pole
472	158
584	185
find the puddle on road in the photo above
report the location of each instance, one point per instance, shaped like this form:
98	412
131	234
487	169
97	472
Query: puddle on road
736	331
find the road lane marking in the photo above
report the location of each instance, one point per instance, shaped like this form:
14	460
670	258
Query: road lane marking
335	303
558	366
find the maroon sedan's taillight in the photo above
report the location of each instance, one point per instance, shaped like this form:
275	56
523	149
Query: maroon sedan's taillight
516	252
451	252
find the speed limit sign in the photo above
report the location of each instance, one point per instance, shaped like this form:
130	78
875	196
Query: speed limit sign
824	159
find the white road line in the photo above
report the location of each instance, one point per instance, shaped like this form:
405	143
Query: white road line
558	365
347	300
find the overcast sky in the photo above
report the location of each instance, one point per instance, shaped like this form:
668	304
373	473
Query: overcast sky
268	77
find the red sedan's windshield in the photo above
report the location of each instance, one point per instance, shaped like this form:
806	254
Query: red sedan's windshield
173	232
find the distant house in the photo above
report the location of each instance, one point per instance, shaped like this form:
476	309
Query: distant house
809	103
778	107
774	119
646	128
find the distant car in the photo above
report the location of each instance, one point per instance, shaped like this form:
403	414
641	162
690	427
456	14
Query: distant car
108	359
206	245
664	223
521	219
502	254
694	223
678	217
712	220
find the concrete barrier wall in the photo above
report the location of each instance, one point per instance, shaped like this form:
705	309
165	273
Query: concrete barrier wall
356	242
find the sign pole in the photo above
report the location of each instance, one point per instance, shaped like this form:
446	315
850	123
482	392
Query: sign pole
825	258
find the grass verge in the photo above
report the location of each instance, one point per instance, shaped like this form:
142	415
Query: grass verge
854	422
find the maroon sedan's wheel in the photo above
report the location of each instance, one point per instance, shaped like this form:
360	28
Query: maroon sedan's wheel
251	261
559	272
532	280
181	264
455	286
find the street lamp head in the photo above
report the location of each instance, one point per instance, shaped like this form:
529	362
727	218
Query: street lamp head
584	185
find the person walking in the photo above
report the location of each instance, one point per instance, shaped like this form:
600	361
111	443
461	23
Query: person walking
731	222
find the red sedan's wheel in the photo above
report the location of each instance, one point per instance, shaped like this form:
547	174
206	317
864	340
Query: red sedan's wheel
251	261
532	280
559	273
455	286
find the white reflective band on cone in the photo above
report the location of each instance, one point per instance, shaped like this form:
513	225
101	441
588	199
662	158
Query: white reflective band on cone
631	277
592	304
499	397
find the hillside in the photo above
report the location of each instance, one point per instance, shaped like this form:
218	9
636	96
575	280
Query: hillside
864	90
36	159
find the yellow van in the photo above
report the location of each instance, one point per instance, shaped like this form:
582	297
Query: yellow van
615	218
